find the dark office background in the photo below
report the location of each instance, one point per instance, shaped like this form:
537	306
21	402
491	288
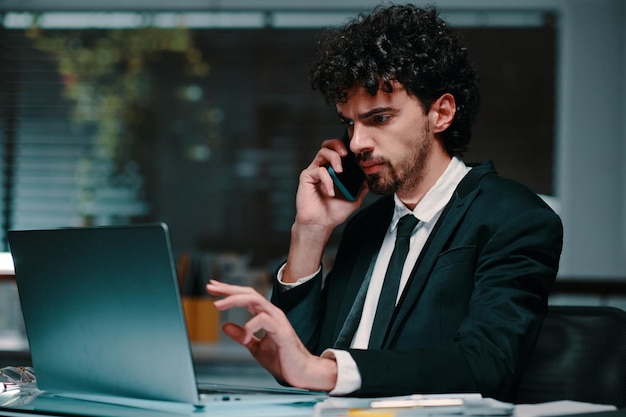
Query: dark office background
208	129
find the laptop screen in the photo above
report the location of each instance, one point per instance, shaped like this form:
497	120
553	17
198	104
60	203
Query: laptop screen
103	313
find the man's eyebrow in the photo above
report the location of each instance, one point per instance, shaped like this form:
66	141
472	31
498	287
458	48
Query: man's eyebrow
369	113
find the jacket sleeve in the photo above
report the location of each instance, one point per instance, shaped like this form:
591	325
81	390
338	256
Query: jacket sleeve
303	307
314	318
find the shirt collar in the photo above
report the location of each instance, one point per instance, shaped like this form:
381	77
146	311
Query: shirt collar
436	198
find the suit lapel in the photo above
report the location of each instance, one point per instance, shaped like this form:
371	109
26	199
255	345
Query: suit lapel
465	193
363	268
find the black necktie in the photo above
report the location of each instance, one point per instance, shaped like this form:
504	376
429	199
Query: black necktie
391	284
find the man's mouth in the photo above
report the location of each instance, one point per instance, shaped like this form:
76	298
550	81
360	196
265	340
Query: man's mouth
371	167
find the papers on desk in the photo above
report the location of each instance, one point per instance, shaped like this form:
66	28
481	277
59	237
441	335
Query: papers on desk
559	408
444	405
439	405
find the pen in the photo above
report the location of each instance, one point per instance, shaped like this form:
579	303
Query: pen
370	413
415	402
396	407
402	411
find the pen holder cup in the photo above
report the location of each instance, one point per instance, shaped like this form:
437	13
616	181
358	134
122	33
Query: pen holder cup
202	318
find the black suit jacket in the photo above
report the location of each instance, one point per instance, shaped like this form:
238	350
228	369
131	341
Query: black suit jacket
469	316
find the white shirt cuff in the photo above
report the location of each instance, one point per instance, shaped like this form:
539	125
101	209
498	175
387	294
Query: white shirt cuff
289	285
348	375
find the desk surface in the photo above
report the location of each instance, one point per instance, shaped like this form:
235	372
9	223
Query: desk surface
37	403
45	405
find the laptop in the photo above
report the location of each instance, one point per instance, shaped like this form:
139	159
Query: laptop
104	317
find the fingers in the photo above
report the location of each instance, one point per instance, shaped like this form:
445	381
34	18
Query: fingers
241	335
266	316
279	350
219	288
330	153
254	303
238	296
336	145
237	333
327	181
316	174
319	178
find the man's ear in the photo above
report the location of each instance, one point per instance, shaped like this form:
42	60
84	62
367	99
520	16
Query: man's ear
442	112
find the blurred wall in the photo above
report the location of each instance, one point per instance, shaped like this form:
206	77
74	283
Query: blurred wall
590	177
591	135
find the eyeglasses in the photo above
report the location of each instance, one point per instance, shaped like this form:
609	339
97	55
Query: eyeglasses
17	386
14	377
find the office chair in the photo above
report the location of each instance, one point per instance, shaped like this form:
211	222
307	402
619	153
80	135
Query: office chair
580	356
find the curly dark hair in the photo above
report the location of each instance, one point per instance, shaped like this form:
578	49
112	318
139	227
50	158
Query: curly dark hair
402	43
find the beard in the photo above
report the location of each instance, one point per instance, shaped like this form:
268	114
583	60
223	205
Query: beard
407	173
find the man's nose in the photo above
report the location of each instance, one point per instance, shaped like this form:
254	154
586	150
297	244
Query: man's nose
358	139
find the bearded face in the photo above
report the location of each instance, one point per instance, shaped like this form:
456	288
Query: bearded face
403	174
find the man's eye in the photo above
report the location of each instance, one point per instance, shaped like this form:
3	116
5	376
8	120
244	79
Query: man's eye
381	118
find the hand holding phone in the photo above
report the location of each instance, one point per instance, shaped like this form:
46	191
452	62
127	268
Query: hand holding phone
350	181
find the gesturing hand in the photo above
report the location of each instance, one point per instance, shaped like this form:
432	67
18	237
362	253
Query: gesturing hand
318	211
316	204
279	350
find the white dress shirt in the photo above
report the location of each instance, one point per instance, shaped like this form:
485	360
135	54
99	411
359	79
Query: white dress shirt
428	211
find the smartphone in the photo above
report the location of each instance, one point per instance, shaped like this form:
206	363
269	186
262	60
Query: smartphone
350	181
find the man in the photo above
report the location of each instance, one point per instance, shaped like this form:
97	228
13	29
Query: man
483	256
